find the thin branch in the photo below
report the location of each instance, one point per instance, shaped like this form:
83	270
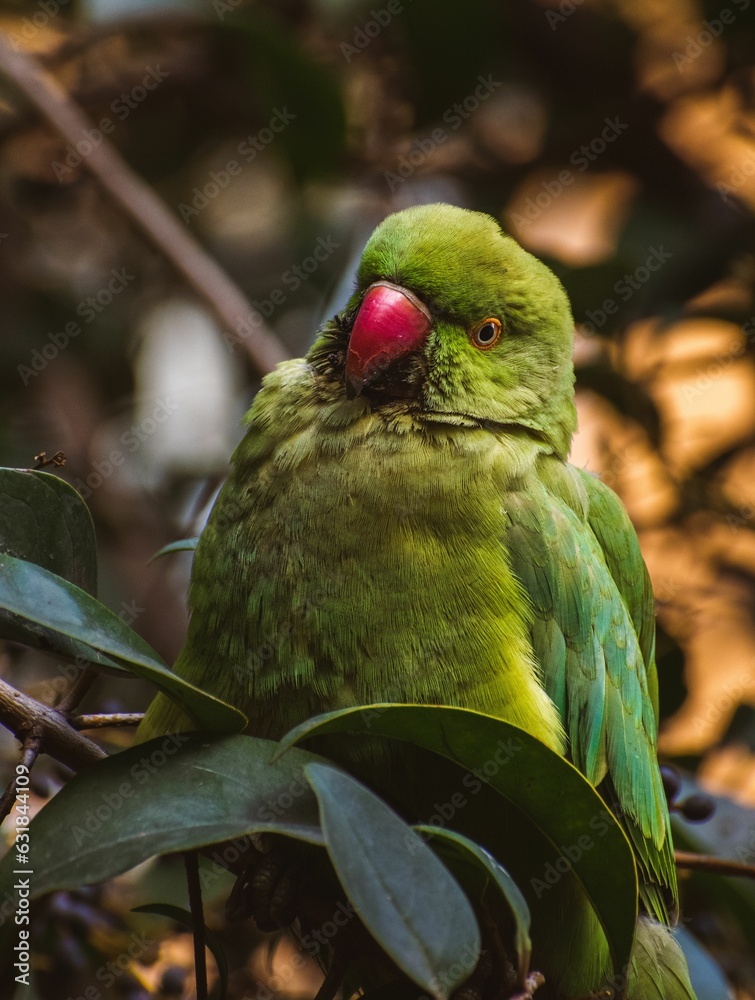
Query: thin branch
58	460
29	753
191	862
335	974
79	688
24	715
146	210
106	721
717	866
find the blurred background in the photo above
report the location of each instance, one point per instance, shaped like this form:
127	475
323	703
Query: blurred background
613	139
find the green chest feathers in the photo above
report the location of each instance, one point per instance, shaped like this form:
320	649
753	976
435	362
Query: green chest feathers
368	567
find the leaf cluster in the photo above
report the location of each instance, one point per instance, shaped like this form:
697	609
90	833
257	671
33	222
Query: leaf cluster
508	825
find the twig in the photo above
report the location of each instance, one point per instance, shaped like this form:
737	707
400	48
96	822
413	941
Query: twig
334	976
78	689
29	753
718	866
146	209
103	721
58	460
191	862
24	715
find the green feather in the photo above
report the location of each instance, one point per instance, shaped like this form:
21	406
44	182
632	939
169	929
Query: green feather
597	674
658	970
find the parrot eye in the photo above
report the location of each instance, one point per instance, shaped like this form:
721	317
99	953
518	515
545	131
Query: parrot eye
486	334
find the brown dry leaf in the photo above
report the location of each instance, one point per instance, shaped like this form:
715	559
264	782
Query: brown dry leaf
702	381
575	217
730	770
708	132
709	616
619	452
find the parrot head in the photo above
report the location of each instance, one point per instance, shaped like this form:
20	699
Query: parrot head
453	321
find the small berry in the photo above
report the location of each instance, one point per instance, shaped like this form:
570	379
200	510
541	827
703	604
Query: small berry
672	783
173	981
697	807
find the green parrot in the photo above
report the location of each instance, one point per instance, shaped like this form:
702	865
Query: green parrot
401	524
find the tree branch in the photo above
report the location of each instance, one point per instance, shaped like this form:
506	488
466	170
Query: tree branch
79	688
146	210
717	866
24	716
29	753
191	863
106	721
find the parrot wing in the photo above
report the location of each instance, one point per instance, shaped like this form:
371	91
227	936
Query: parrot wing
617	538
573	548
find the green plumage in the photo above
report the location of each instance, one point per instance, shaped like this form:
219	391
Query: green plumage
427	542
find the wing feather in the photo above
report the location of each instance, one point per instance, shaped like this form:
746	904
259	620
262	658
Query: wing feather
575	551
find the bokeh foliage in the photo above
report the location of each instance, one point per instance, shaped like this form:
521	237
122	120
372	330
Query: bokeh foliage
615	139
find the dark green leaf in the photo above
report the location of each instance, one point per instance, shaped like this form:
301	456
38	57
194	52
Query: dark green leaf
463	852
174	793
182	545
405	897
549	791
444	73
282	75
185	919
45	521
51	607
19	629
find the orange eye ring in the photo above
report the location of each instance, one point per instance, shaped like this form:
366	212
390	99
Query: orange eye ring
486	334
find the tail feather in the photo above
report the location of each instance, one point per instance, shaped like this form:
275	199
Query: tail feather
658	969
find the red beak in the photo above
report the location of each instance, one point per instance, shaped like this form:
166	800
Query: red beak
391	323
